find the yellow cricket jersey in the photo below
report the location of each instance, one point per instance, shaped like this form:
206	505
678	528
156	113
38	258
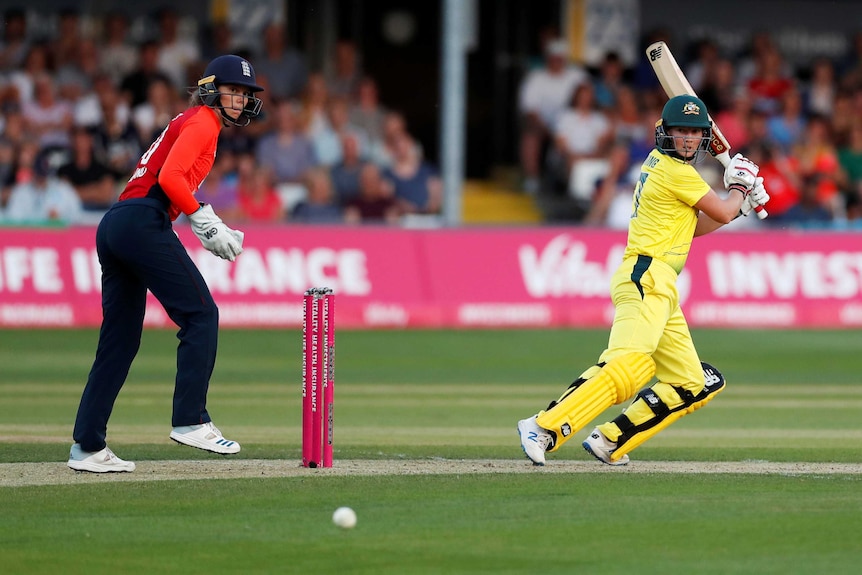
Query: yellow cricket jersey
663	219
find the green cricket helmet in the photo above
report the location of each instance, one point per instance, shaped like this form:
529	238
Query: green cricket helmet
683	112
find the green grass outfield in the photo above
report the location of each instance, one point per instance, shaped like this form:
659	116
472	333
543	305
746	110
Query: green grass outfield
432	397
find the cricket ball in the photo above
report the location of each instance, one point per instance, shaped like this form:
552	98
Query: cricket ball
344	517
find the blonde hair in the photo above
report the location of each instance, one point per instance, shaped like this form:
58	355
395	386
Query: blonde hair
195	98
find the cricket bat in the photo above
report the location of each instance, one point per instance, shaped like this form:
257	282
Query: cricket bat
675	83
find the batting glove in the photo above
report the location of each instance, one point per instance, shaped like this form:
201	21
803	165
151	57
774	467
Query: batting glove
214	235
756	197
740	172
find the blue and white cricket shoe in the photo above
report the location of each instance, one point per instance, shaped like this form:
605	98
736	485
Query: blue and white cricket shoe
535	440
206	437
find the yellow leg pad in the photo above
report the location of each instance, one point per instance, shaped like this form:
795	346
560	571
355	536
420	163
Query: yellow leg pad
639	438
618	381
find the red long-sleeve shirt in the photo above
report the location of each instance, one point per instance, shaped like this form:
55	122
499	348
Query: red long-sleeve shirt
177	161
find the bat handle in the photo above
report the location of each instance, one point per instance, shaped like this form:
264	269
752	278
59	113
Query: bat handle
761	212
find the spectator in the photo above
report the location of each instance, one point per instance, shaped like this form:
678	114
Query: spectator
612	204
819	92
780	175
117	142
702	67
91	179
809	211
747	64
328	139
367	113
416	183
582	132
67	41
283	67
46	117
734	120
219	41
37	62
257	199
346	73
394	127
8	98
134	85
787	127
313	114
7	171
345	174
75	77
286	150
720	88
320	207
850	158
843	116
25	156
770	81
543	95
626	119
177	52
13	128
375	202
14	46
88	110
610	81
117	57
151	117
850	67
758	131
45	198
819	166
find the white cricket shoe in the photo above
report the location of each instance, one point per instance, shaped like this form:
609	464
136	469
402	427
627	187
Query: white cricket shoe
103	461
206	437
601	448
535	440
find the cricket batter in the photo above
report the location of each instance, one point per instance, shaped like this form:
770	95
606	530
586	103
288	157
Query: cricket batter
649	336
139	251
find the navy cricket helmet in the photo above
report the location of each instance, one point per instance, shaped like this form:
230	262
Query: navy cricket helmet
230	69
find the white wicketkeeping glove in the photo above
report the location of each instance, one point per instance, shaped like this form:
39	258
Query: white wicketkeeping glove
740	173
238	236
215	235
756	197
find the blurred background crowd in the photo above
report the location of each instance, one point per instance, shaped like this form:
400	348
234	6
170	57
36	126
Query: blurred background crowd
586	132
77	111
80	103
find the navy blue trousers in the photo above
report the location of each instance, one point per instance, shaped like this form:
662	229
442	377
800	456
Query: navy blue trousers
138	250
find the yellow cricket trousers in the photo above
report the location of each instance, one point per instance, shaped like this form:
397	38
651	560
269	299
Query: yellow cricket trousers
648	319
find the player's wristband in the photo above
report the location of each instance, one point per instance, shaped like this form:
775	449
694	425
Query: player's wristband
739	188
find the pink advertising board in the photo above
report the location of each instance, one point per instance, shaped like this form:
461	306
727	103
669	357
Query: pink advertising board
484	277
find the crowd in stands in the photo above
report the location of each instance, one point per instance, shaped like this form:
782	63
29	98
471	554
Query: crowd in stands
585	132
77	111
80	103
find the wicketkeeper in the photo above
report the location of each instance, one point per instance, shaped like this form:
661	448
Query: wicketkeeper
139	251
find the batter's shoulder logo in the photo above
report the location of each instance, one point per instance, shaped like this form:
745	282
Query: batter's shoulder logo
691	108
